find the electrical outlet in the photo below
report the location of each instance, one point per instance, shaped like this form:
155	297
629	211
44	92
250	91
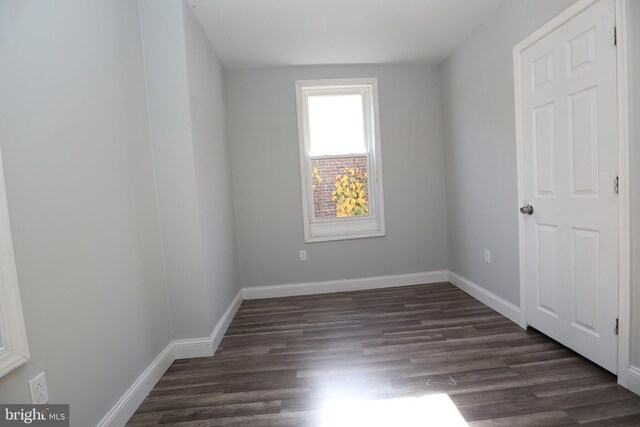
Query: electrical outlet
487	256
38	388
303	255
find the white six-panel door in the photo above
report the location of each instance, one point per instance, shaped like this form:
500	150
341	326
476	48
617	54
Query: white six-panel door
569	167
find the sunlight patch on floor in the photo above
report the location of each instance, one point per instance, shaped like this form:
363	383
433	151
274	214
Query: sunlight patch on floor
431	410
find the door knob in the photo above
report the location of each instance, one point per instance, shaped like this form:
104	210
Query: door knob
527	210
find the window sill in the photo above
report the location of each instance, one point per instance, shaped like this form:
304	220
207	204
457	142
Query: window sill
10	361
346	236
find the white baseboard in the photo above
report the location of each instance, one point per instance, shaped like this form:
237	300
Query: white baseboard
190	348
634	379
225	321
205	347
312	288
177	349
133	397
508	310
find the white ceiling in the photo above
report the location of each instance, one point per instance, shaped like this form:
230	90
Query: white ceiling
264	33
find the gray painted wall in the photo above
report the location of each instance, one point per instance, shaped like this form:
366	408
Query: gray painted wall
77	160
170	123
266	178
185	83
480	148
207	100
212	163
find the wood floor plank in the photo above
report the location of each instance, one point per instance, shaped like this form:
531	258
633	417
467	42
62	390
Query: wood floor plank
603	411
221	411
625	421
547	418
283	359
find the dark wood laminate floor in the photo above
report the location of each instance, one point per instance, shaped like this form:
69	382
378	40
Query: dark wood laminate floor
323	359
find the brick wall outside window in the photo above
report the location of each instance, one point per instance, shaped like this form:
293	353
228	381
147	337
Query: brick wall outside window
323	206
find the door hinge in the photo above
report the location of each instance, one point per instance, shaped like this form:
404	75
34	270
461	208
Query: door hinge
616	328
615	36
616	185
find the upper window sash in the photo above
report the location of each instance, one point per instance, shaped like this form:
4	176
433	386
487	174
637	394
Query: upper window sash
363	91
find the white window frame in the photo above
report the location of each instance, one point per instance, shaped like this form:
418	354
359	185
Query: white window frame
320	230
14	350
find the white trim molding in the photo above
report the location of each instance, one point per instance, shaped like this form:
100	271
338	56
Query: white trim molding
205	347
14	348
126	406
624	199
502	306
194	347
634	379
354	227
225	321
624	280
508	310
312	288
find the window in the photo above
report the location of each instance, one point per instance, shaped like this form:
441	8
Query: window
340	159
14	350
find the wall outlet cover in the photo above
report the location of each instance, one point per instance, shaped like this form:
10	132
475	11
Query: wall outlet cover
39	390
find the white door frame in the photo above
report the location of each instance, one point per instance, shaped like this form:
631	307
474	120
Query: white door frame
624	284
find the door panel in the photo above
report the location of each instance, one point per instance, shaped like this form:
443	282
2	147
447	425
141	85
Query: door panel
583	140
569	125
545	149
547	276
585	283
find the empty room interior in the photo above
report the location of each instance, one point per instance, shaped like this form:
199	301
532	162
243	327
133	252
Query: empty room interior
319	213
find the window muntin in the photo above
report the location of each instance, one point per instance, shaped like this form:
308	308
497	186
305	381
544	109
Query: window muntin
340	159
